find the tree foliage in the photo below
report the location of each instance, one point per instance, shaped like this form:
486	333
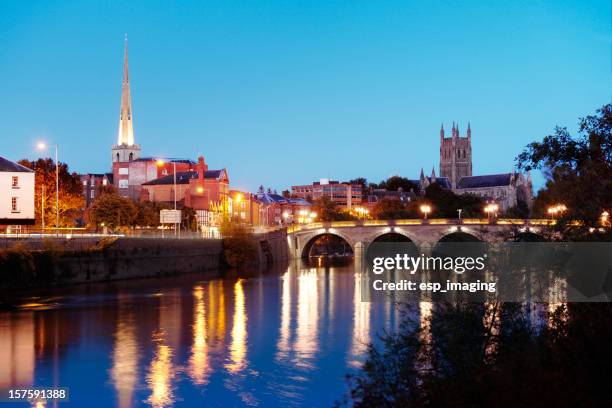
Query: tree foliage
394	183
239	244
475	354
114	211
578	169
327	210
71	200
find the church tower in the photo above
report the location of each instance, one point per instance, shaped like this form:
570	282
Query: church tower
125	150
455	155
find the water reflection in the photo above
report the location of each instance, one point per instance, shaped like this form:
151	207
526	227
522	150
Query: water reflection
198	363
17	350
306	338
361	322
266	340
124	371
239	334
162	372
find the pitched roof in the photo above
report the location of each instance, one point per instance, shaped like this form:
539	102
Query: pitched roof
7	165
183	177
444	182
489	180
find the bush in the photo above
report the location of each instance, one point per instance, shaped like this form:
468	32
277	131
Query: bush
239	244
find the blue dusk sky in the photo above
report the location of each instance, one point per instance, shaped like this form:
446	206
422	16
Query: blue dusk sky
287	92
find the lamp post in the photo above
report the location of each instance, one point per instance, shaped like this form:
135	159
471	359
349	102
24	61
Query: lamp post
43	146
160	163
491	209
556	209
425	209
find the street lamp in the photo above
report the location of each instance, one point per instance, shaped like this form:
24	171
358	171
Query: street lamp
425	209
556	209
43	146
160	163
491	209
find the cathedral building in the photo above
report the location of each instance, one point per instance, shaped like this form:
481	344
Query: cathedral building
508	190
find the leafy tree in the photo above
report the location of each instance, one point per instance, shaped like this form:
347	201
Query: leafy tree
469	354
578	169
148	213
394	183
327	210
189	219
239	244
71	200
388	209
446	203
113	210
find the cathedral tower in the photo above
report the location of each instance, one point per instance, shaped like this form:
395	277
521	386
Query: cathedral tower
455	155
125	150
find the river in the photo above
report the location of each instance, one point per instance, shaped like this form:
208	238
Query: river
284	337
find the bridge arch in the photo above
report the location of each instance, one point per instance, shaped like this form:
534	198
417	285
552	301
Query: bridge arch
461	236
312	240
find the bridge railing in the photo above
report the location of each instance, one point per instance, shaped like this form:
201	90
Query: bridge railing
430	221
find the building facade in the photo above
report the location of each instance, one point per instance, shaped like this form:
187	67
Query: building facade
16	195
245	207
345	195
92	185
455	155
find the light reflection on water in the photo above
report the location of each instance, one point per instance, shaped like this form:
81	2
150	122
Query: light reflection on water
279	338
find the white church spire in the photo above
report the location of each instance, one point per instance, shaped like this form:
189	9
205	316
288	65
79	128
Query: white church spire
126	130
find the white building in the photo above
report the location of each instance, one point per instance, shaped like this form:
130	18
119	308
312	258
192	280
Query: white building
16	194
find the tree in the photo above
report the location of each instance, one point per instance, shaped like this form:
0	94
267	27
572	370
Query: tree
239	244
388	209
113	210
446	203
148	213
189	219
453	358
71	200
327	210
578	169
394	183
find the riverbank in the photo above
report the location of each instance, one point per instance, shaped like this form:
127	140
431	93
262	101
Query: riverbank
31	263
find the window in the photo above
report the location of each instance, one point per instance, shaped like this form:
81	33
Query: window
104	182
123	183
15	182
84	182
93	194
14	204
124	170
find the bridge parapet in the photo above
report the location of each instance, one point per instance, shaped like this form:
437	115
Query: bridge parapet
423	233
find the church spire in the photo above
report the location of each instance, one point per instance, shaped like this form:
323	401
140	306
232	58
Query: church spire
126	130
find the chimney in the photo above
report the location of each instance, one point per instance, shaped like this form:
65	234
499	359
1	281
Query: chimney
202	167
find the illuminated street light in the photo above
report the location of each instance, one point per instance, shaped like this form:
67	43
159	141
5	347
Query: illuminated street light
605	219
43	146
556	209
425	209
491	209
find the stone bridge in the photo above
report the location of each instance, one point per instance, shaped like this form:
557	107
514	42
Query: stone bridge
359	234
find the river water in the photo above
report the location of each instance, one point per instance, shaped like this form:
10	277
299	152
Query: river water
284	337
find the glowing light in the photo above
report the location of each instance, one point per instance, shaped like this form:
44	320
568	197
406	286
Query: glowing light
239	333
200	190
425	209
198	363
160	162
124	371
